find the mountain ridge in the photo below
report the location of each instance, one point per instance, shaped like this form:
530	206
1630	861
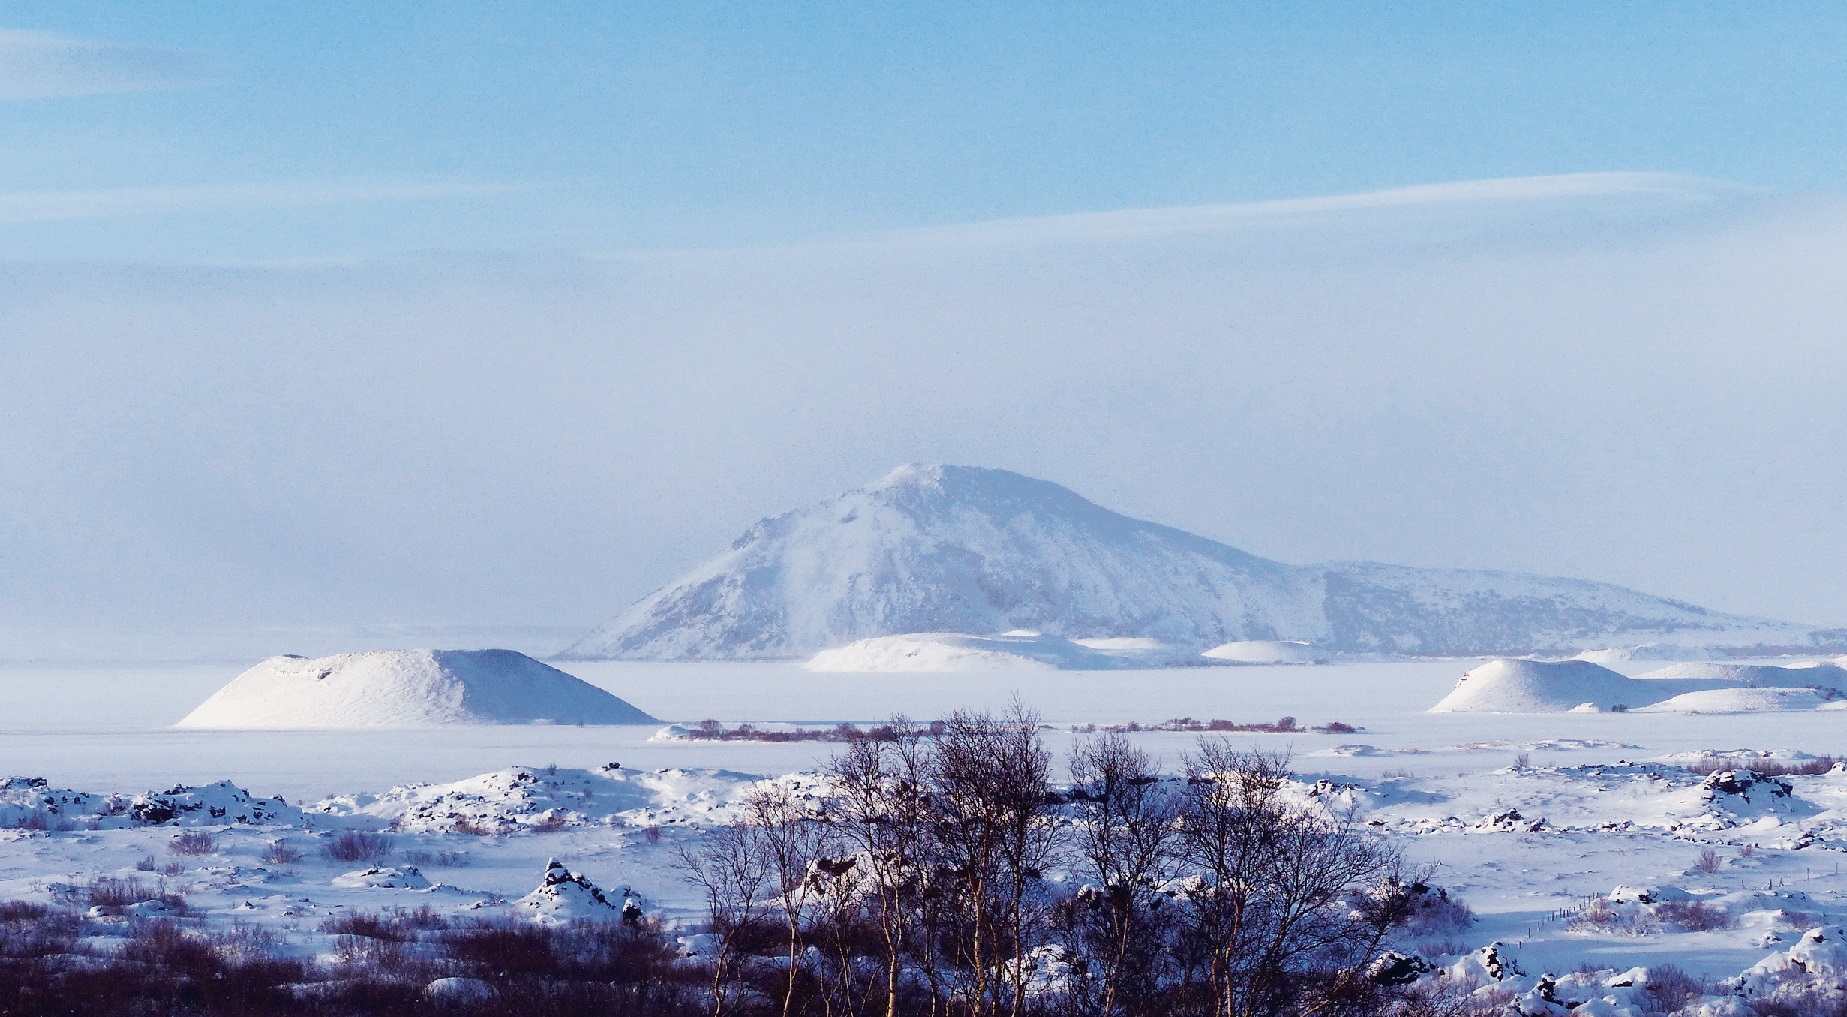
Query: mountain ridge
984	551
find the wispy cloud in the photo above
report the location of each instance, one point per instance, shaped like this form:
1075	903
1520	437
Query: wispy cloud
1467	194
46	65
52	206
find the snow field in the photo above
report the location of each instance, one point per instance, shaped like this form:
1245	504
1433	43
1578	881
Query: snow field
1601	802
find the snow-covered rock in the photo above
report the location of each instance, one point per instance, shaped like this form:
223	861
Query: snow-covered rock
408	688
563	897
32	801
969	550
543	799
220	804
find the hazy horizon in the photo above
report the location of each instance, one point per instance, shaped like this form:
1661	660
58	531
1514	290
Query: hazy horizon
445	320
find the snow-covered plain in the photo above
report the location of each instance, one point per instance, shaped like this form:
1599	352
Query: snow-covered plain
1602	800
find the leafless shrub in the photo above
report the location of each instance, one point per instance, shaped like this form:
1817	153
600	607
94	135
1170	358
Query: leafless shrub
1451	997
193	843
1709	862
113	895
1668	989
1763	767
358	846
1746	850
1693	915
652	833
28	930
1523	761
279	852
468	827
149	864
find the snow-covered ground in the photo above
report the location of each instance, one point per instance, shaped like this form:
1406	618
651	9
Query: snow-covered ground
478	813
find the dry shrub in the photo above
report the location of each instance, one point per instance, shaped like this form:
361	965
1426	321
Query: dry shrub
279	852
1709	862
1693	915
193	843
1451	997
1669	988
1763	767
113	894
358	846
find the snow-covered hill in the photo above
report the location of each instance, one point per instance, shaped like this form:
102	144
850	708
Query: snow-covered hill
408	688
980	551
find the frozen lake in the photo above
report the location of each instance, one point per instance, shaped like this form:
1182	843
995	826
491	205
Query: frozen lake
109	727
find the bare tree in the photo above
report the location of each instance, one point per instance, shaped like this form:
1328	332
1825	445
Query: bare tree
1125	832
792	840
882	808
1270	901
992	819
730	867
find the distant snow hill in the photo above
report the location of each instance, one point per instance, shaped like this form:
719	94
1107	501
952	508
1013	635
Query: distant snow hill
959	549
1579	686
408	688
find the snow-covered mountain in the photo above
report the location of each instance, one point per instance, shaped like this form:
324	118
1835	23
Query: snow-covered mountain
965	549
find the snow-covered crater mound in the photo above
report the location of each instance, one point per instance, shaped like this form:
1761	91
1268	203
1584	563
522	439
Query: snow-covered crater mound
1541	686
408	688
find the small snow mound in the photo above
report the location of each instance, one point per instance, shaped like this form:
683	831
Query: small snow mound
1264	651
563	897
1536	686
1115	642
407	688
383	878
1743	700
952	651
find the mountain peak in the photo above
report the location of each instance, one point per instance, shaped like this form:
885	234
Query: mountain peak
968	549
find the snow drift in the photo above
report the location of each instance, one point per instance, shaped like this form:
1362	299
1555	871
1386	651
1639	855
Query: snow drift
408	688
968	550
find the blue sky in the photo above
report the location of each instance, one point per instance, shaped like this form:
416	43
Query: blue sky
335	315
191	131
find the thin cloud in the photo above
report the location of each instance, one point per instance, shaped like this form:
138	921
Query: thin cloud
49	65
1139	222
53	206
